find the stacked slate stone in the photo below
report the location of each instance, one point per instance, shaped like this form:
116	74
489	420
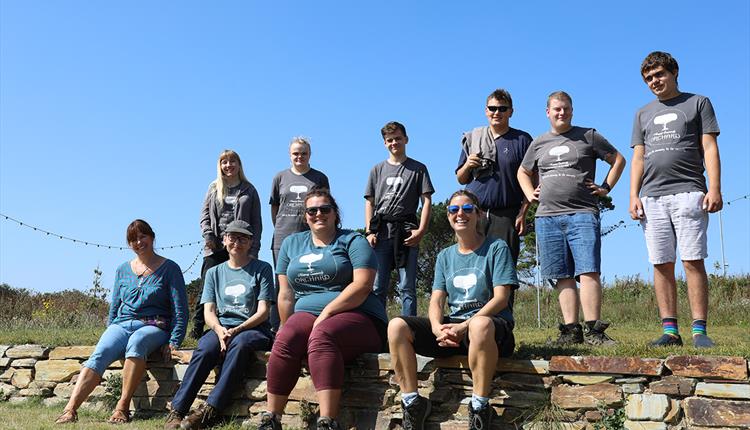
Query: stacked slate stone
680	392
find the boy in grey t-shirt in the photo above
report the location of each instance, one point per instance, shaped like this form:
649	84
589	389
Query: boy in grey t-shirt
674	136
567	219
394	189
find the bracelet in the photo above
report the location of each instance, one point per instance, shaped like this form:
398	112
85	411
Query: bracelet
606	186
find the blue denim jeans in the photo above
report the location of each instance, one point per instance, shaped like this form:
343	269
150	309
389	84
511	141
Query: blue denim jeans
407	285
129	339
569	245
207	356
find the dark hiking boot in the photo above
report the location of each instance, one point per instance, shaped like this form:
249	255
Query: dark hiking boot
702	341
480	419
174	419
668	340
269	421
570	334
327	423
416	413
594	335
201	418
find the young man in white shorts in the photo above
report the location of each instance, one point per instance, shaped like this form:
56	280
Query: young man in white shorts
674	136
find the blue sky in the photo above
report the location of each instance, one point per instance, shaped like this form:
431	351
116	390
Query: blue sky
111	111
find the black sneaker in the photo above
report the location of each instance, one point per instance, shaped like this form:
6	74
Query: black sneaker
327	423
595	335
269	421
668	340
416	413
570	334
702	341
480	419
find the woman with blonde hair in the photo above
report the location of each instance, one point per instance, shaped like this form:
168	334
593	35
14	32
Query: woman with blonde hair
230	197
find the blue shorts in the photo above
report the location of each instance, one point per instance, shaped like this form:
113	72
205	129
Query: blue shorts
128	339
569	245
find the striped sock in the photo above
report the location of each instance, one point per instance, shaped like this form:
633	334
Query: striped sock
699	327
669	325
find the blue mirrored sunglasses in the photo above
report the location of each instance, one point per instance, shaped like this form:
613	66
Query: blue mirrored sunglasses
467	208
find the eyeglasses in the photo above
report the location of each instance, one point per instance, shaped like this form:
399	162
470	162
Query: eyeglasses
324	209
233	238
494	109
467	208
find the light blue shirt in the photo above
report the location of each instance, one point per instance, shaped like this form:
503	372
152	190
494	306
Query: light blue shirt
318	274
469	279
236	292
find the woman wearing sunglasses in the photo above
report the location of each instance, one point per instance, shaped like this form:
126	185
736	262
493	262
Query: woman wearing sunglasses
476	277
328	312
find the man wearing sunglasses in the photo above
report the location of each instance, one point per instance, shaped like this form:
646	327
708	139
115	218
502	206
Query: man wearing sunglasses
490	157
567	219
394	189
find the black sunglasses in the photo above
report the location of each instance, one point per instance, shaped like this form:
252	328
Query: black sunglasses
467	208
494	109
324	209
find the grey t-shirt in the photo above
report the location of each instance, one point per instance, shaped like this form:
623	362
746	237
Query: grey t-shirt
672	132
288	191
396	189
564	162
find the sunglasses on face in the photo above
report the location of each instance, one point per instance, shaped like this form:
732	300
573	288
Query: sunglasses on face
467	208
494	109
324	209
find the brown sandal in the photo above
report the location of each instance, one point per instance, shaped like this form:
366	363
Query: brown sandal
67	417
119	416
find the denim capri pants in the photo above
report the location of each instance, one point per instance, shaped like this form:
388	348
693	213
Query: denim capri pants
129	339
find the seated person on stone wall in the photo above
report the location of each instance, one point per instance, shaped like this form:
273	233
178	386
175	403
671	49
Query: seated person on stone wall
477	278
236	301
149	311
328	311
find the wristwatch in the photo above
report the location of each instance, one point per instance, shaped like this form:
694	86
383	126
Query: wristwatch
605	186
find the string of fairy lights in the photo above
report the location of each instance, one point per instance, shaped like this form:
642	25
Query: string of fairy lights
101	245
605	231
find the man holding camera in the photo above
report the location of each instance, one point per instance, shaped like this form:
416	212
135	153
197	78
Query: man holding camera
490	157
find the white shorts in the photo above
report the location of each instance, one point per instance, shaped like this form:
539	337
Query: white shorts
676	220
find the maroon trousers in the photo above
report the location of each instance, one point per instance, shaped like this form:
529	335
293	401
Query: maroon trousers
332	343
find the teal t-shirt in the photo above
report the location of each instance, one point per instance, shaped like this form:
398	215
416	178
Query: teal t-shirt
236	292
318	274
469	279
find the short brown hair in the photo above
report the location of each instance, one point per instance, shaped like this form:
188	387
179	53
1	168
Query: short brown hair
501	95
323	192
393	127
560	95
659	58
137	227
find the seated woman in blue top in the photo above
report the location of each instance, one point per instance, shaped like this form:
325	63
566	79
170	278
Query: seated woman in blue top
149	311
236	299
328	312
477	277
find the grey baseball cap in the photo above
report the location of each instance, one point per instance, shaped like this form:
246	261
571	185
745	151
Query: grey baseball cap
239	226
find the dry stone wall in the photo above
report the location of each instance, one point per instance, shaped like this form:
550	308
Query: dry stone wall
680	392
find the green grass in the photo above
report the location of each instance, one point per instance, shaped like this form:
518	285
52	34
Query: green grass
629	303
35	416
